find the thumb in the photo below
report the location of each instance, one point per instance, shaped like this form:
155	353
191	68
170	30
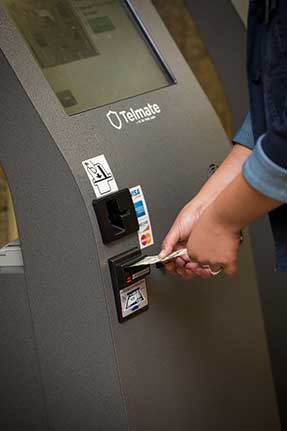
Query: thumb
170	242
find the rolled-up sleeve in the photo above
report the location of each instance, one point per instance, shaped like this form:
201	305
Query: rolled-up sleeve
264	175
244	136
274	143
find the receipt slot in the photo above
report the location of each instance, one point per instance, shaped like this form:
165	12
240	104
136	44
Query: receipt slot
129	284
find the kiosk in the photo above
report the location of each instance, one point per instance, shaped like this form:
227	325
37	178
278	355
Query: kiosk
105	134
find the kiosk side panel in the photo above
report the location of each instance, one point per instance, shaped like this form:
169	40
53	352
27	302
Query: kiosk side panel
22	401
68	306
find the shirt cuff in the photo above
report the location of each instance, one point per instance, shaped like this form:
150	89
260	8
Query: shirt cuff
244	136
264	175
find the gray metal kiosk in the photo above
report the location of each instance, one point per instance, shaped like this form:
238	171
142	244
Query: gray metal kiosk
196	357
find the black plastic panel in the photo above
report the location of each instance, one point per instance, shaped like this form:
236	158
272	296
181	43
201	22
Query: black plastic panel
116	216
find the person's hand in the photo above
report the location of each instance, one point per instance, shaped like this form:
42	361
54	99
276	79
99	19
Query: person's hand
213	243
177	238
188	218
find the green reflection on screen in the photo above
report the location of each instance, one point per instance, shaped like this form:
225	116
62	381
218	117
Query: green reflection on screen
90	51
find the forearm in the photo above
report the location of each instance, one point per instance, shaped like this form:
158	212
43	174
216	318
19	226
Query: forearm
239	204
225	174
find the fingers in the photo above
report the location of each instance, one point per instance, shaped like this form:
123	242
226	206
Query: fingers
180	262
185	257
170	268
186	269
204	270
231	269
185	273
202	273
192	265
170	241
174	269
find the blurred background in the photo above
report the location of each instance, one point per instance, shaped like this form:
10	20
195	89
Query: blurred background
8	226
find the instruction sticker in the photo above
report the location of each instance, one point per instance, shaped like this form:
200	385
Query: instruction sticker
100	176
145	231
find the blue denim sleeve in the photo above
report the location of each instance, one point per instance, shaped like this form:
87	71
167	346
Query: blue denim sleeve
264	175
274	143
244	136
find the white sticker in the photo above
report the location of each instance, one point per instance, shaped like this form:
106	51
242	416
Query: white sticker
134	298
145	232
100	176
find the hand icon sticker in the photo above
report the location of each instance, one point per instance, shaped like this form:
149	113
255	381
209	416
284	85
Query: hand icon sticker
100	175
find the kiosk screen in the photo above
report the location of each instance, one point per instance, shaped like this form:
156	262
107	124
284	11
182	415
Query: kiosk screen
92	52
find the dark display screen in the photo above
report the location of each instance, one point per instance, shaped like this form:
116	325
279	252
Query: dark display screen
92	52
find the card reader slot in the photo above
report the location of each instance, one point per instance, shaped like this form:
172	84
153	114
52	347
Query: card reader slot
117	216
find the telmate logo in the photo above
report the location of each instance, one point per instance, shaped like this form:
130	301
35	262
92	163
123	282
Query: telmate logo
137	116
